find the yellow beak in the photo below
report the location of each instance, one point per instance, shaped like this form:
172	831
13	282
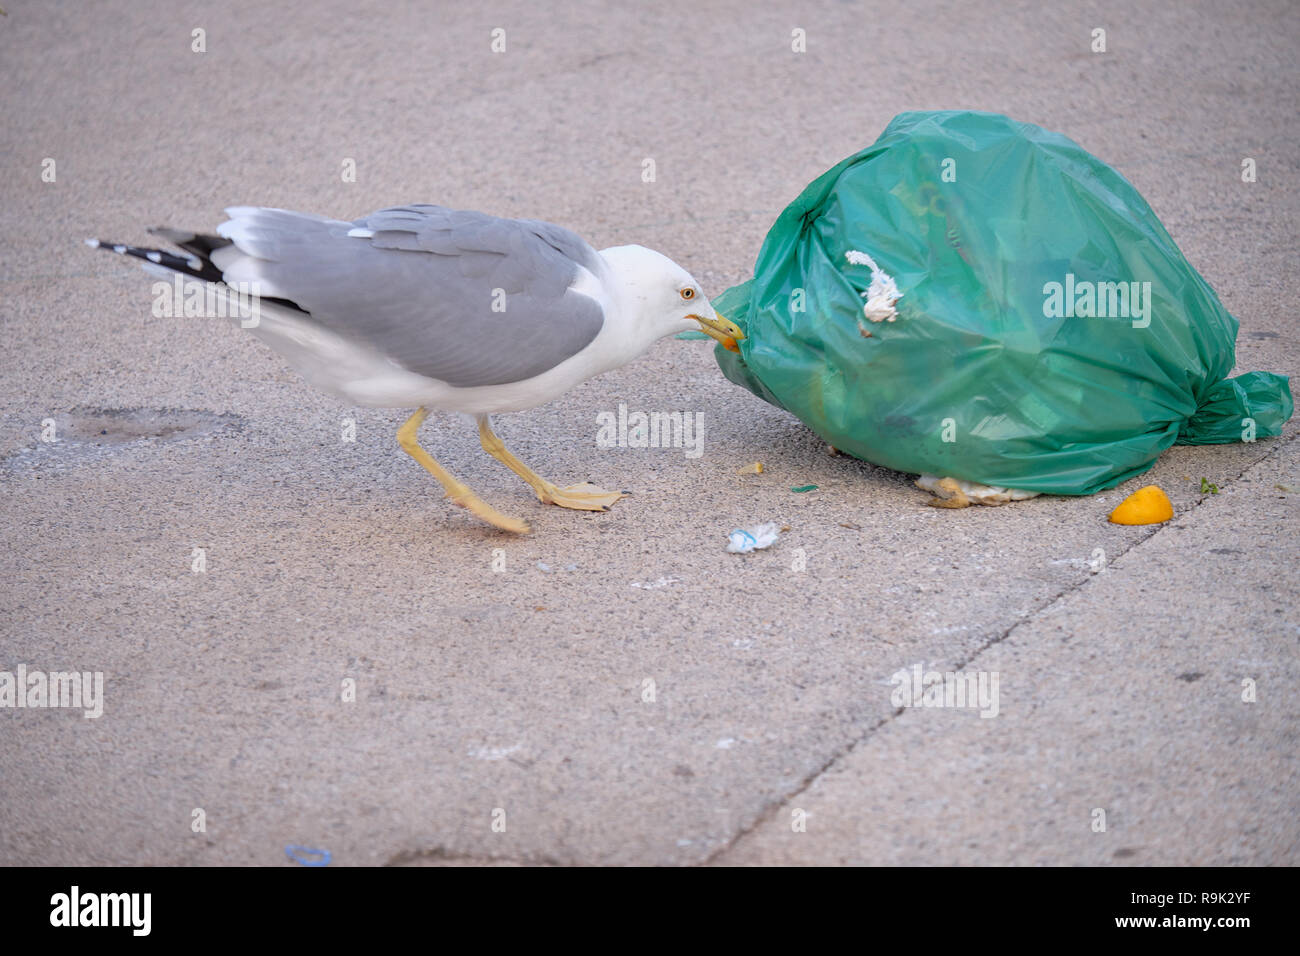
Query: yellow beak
726	332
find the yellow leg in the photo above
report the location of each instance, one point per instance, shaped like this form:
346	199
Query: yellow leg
583	497
456	491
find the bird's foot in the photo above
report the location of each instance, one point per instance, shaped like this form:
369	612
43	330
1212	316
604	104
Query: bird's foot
580	497
481	509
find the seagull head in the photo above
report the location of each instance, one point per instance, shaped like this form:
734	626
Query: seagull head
664	298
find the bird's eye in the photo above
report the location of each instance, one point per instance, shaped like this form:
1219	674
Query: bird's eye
688	293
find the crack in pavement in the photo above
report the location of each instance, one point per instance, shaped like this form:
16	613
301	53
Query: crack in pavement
769	812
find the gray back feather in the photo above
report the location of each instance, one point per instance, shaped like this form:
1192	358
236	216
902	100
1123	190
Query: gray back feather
422	288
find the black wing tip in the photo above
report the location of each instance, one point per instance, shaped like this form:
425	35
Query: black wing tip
158	256
191	265
196	266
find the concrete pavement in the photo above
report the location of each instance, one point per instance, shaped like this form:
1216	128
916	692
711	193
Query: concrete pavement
614	688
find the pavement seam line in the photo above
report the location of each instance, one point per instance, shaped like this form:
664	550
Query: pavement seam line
770	811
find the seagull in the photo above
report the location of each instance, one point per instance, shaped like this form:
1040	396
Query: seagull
435	308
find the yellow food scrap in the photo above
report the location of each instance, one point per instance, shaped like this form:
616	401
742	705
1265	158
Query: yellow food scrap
752	469
1147	505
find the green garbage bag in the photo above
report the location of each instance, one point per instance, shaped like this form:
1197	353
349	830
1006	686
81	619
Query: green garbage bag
983	299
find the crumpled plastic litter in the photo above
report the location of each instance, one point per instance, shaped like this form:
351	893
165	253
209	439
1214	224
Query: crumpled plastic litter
745	540
308	856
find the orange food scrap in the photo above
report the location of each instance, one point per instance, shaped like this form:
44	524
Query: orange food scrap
1147	505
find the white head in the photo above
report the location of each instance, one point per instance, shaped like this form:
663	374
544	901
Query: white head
663	299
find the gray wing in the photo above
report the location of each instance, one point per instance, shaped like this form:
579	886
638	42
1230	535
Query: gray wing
462	297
